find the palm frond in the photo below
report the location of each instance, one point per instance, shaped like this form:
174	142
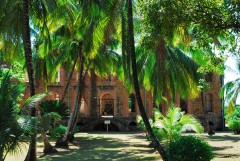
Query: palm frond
190	123
230	92
32	101
28	125
175	122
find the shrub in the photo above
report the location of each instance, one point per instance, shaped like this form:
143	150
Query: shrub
54	106
234	125
234	120
185	148
49	120
58	132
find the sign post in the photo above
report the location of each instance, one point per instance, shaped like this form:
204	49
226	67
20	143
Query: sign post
107	122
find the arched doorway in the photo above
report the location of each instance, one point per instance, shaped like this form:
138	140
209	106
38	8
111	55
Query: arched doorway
107	105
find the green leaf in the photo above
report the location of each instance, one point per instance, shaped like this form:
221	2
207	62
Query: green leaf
32	101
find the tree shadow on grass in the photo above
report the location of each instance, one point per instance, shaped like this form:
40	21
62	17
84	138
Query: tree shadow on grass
92	148
232	156
232	138
214	148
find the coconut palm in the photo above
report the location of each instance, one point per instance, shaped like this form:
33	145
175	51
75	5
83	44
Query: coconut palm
164	69
88	34
130	39
16	31
230	91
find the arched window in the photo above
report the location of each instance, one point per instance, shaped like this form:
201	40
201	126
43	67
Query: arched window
131	103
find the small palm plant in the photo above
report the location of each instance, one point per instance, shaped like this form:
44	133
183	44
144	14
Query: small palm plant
173	124
10	131
14	129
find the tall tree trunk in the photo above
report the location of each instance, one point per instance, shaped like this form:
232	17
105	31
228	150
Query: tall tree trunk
155	141
69	80
93	94
74	113
31	156
81	85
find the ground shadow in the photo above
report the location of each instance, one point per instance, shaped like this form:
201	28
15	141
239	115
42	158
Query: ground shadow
102	148
232	138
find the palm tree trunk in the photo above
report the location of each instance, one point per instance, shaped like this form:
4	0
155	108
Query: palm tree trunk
74	113
69	79
27	48
48	148
31	156
93	94
80	90
155	141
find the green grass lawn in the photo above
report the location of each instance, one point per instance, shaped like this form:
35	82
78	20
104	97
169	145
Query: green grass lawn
129	147
100	146
105	146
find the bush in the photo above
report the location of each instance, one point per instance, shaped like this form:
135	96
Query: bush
234	120
58	132
234	125
185	148
54	106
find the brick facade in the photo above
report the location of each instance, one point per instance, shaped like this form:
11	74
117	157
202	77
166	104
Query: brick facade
108	96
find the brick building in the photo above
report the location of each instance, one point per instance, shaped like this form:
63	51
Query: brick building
107	99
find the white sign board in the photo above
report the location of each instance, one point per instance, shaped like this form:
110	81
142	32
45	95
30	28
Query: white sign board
107	122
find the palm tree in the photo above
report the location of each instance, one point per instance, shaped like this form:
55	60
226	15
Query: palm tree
163	69
69	79
80	85
175	122
21	32
155	141
230	91
29	64
90	33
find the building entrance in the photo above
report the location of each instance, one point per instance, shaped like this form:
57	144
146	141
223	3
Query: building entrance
108	109
107	105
